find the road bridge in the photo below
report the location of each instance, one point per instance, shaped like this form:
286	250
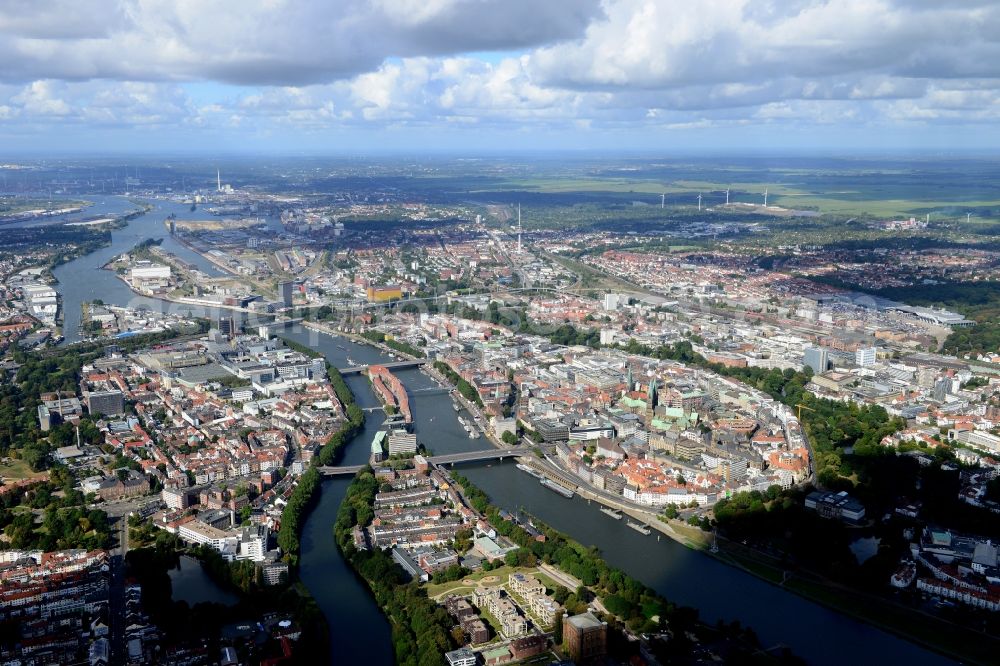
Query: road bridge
341	470
395	365
280	323
445	459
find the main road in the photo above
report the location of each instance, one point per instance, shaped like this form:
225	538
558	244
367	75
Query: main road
116	593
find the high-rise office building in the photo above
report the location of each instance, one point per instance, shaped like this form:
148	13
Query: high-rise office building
816	358
285	290
942	389
227	326
108	403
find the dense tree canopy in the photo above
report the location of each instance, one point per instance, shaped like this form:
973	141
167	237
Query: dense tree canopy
51	517
420	627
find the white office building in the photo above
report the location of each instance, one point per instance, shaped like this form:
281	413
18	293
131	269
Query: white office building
402	442
865	357
615	301
461	657
150	271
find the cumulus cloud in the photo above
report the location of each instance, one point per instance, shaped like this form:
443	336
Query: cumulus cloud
128	104
61	20
581	66
263	42
674	43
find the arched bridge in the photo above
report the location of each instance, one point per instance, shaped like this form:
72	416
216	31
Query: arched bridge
445	459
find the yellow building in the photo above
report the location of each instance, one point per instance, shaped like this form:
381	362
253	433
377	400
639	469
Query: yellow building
391	292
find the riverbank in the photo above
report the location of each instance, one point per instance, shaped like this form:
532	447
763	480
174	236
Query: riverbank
955	641
305	496
478	418
361	340
695	539
343	597
82	249
632	609
951	640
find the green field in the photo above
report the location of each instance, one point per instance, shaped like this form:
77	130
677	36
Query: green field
16	470
864	190
436	590
691	536
14	205
501	573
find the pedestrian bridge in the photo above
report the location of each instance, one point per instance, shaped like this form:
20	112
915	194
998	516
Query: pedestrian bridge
395	365
446	459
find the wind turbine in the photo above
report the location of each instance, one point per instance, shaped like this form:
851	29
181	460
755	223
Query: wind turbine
727	196
699	202
968	217
663	200
765	197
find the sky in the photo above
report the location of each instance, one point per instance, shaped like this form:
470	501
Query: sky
333	76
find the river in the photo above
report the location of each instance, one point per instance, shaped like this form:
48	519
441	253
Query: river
83	280
685	576
190	583
359	633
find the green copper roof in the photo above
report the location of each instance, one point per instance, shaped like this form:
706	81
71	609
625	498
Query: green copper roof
377	442
495	652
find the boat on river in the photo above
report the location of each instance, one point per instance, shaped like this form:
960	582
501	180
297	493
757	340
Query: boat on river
614	513
640	528
557	487
529	470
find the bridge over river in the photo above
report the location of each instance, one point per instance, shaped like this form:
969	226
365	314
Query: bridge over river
397	365
446	459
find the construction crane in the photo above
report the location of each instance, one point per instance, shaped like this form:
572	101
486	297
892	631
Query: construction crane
800	407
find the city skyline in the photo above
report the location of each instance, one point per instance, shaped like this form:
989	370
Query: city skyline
487	76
